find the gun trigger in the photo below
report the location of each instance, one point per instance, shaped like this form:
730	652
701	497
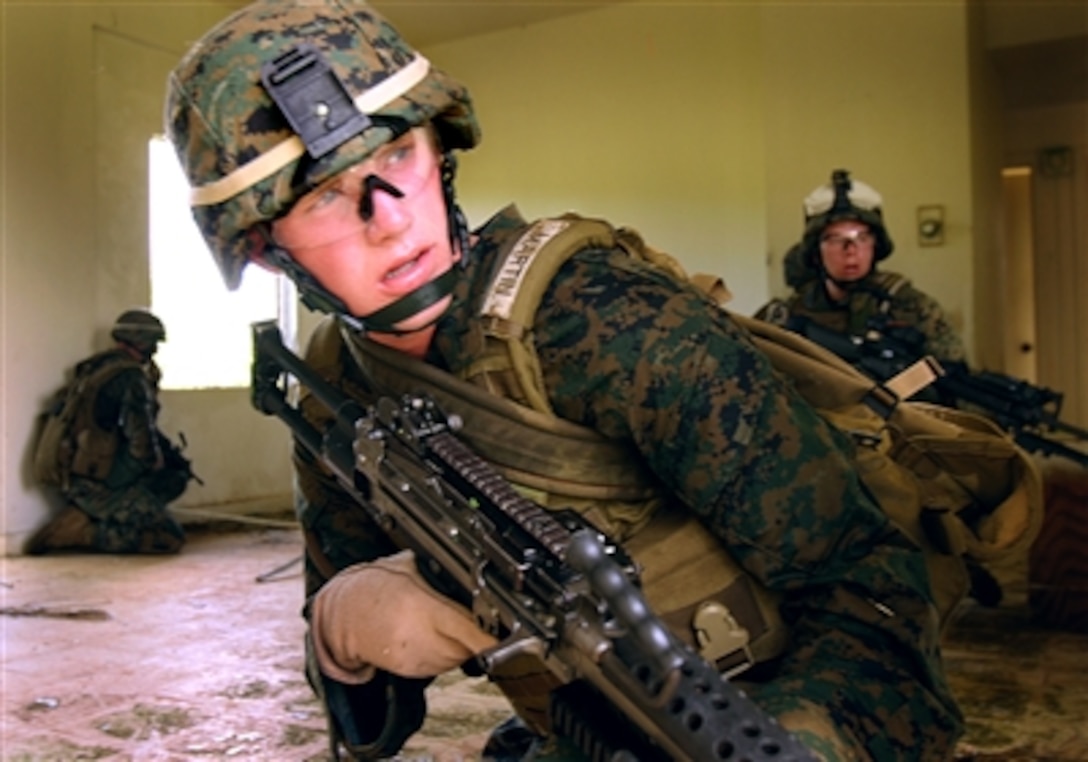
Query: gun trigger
719	635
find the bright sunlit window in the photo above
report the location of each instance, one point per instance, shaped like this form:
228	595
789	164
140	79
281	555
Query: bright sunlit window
208	342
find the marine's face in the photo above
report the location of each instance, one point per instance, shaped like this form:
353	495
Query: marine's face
847	248
370	245
142	351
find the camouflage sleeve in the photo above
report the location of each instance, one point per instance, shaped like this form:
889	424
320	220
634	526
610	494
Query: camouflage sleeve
136	416
632	353
339	528
916	308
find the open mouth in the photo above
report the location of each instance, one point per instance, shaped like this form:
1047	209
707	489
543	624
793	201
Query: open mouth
408	268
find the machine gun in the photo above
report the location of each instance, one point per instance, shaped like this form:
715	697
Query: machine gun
546	583
1026	411
1029	413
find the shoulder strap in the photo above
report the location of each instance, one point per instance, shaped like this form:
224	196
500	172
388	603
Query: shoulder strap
889	284
323	349
530	264
506	359
528	446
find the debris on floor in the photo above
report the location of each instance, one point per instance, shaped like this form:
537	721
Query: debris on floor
199	657
56	612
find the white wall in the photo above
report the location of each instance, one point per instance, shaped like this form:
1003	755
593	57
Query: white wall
649	116
880	89
704	126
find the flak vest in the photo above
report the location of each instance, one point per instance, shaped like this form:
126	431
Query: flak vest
688	577
71	442
854	317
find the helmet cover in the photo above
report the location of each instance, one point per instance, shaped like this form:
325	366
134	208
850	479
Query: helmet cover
138	328
843	199
245	162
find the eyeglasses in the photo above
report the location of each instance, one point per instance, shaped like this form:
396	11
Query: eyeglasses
344	204
839	241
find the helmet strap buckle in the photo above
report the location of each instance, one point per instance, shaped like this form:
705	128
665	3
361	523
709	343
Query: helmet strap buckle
313	99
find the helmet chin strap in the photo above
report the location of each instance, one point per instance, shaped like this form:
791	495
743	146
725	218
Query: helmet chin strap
315	296
318	298
423	297
455	217
141	353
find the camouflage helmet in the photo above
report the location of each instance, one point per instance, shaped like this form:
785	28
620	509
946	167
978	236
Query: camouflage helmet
843	199
796	267
138	328
248	159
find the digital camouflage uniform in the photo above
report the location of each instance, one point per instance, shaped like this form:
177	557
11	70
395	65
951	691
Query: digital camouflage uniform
626	349
127	500
631	352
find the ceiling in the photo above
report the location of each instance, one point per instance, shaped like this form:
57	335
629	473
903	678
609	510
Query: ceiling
1063	63
1043	73
429	22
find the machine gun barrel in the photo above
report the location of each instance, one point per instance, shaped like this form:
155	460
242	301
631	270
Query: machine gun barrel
1033	442
546	583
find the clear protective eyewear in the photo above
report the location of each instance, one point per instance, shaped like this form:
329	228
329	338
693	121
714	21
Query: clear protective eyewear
343	205
839	241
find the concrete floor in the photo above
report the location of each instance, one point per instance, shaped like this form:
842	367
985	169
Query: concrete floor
193	658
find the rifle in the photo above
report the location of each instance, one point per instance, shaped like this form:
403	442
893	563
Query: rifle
174	457
1029	413
877	356
546	583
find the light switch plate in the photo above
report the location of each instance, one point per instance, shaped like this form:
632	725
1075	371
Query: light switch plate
931	225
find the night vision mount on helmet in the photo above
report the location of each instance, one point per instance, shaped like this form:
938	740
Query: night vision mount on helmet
280	97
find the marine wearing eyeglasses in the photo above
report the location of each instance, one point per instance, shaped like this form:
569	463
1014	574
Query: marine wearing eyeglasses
836	277
317	141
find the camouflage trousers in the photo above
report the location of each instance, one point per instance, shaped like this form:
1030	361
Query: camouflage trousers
132	518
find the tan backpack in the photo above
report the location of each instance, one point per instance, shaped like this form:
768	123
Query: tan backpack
69	440
952	480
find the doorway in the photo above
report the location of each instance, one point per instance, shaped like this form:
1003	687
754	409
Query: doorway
1019	346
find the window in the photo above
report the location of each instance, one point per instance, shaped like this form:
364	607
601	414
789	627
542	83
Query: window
208	342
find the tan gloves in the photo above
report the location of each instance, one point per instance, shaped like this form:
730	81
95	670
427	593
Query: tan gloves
384	615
